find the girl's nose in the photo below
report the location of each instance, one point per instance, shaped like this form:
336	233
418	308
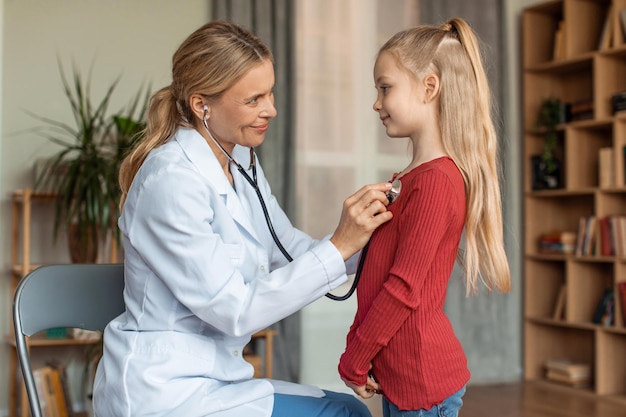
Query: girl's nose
377	105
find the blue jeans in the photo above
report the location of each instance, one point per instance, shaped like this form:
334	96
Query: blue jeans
448	408
334	404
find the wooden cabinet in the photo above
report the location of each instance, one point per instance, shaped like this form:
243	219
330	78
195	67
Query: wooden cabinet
567	56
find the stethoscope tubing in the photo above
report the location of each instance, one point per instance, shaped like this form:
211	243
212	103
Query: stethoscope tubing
255	185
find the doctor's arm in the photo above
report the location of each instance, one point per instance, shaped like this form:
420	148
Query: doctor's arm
174	226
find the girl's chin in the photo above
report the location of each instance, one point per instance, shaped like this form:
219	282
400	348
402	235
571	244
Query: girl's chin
394	135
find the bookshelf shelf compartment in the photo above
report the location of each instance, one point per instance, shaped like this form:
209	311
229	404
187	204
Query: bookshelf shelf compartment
611	363
583	146
539	27
563	291
612	69
586	283
567	86
554	212
557	342
544	281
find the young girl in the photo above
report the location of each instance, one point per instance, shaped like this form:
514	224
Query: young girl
433	89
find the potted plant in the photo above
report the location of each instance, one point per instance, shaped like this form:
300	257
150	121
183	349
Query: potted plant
83	174
547	167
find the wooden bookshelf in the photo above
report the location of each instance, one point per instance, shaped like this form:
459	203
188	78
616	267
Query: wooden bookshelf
587	68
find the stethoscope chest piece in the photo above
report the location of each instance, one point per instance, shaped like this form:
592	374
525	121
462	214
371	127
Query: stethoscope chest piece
396	187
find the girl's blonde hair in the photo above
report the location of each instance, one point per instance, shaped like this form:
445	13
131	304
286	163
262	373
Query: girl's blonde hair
208	62
452	52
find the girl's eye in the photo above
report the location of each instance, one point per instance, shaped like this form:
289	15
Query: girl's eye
384	89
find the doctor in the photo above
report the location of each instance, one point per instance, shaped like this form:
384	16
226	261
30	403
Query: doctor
202	270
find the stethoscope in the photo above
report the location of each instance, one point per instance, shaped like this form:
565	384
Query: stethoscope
392	194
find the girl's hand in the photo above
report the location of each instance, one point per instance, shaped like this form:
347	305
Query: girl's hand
365	391
362	213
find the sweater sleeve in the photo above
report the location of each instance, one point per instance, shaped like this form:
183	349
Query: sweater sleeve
423	223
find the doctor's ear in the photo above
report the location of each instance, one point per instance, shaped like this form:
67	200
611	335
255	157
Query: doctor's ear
199	106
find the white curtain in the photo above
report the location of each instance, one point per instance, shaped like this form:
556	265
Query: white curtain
340	142
272	21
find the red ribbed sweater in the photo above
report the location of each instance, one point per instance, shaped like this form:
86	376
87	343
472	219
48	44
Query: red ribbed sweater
400	326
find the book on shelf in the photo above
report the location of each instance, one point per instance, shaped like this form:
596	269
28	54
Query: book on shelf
568	371
580	110
50	391
582	227
559	306
62	386
587	235
605	310
44	406
618	235
601	236
618	101
559	42
622	22
606	170
621	295
557	242
576	382
606	37
604	237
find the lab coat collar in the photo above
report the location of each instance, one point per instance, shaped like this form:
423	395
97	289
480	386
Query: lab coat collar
198	151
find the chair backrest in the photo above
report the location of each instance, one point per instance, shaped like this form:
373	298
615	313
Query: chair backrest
85	296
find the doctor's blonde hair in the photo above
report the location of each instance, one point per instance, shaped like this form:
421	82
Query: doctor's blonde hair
208	62
452	52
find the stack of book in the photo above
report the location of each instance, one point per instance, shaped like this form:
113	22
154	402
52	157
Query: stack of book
557	243
618	101
568	372
581	110
52	391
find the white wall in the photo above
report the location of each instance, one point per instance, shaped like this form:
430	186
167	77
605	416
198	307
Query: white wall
134	38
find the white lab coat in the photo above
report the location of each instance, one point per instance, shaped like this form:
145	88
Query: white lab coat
202	275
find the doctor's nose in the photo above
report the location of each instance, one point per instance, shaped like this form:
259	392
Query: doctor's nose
269	111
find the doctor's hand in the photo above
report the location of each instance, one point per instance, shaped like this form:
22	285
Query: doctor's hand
362	213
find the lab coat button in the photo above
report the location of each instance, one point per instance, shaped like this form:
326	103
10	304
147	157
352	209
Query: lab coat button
262	268
235	352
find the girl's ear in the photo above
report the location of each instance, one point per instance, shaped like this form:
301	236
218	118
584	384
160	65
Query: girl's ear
199	105
431	85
